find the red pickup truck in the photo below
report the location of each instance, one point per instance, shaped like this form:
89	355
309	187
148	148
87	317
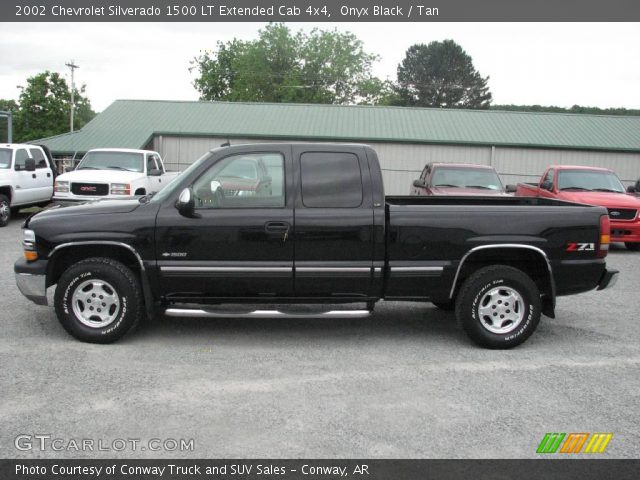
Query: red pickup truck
592	186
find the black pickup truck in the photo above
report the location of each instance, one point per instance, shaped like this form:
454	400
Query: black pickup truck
309	224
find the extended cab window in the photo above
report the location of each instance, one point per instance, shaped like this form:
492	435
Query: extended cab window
330	180
38	156
251	180
21	157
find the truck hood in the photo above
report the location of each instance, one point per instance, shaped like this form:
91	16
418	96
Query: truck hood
602	199
458	191
100	176
96	207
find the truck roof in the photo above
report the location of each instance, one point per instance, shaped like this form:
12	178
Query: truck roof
462	165
578	167
288	144
126	150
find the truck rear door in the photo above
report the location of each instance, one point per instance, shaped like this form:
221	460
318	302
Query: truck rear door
333	220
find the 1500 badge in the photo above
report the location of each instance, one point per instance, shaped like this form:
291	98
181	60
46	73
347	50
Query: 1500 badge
581	247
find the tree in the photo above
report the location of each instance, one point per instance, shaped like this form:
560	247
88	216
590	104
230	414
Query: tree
280	66
44	108
441	75
574	109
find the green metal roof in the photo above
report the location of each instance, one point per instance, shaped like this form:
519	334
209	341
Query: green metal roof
132	123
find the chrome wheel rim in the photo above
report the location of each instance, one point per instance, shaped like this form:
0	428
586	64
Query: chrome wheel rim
4	211
501	310
95	303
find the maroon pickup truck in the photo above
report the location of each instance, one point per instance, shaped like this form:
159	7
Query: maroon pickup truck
458	179
591	186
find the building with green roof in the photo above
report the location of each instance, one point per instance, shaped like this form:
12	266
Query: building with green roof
518	144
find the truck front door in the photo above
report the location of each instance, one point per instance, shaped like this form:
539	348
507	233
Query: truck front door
238	245
333	223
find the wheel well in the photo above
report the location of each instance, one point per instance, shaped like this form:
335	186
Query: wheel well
6	191
71	255
140	191
529	261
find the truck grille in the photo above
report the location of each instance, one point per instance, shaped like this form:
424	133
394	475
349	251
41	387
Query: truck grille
91	189
622	213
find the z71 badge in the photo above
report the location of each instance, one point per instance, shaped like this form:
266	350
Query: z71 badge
581	247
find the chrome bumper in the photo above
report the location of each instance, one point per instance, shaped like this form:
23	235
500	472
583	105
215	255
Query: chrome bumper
608	279
31	280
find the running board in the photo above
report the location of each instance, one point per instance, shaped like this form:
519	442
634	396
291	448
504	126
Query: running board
200	313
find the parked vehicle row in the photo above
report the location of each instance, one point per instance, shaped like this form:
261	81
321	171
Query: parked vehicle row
28	177
586	185
316	229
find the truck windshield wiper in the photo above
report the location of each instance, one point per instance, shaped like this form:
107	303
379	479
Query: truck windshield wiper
88	168
606	190
479	186
576	188
146	198
115	167
446	185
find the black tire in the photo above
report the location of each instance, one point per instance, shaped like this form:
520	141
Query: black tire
634	247
78	282
487	290
5	211
449	306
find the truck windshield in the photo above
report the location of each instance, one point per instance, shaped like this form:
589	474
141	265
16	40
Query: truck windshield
5	158
466	178
128	161
593	180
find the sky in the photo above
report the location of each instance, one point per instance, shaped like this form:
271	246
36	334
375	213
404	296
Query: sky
562	64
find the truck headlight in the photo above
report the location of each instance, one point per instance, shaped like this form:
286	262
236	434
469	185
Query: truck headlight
29	245
61	186
120	189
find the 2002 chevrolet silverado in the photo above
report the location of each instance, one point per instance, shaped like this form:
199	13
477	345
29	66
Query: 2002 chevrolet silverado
318	230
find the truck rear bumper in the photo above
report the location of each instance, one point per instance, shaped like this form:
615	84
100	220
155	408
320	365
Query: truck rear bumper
31	279
608	279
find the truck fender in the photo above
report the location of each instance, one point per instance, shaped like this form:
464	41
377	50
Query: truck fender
146	288
548	296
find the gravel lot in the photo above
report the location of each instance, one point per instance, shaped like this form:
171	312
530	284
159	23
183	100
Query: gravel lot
403	383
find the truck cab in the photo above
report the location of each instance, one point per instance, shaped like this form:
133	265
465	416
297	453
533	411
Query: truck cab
109	173
26	178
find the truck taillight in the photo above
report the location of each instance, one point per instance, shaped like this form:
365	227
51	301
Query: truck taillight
605	236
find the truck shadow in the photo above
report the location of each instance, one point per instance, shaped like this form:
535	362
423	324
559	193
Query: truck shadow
399	322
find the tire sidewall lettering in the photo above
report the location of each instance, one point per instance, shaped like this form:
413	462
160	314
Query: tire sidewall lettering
70	287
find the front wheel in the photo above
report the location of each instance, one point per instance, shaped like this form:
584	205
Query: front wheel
634	247
5	211
498	307
98	300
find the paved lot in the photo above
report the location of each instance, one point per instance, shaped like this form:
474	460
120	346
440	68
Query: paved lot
404	383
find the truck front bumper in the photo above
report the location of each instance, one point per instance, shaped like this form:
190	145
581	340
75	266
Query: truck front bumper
608	279
31	279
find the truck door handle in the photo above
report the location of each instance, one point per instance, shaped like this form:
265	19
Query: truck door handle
48	175
276	227
33	175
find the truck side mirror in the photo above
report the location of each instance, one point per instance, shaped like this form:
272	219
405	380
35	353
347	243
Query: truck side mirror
511	188
155	172
419	183
546	185
631	189
30	165
186	204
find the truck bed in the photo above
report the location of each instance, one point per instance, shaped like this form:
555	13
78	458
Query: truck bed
476	201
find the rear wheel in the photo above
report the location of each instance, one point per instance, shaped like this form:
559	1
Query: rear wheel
5	211
98	300
498	307
634	247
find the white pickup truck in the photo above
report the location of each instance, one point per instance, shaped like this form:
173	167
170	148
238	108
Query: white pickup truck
26	178
113	173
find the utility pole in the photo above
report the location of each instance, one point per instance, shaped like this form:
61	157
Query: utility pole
73	67
9	117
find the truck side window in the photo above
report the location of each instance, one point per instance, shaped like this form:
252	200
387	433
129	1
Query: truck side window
548	177
151	163
246	180
330	180
21	157
38	156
